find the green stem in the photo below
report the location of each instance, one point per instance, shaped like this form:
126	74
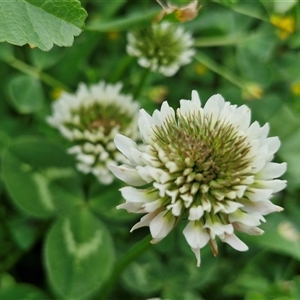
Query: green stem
210	64
141	83
33	72
290	269
122	67
123	262
223	40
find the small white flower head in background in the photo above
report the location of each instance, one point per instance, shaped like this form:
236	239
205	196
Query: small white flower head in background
163	47
90	118
207	165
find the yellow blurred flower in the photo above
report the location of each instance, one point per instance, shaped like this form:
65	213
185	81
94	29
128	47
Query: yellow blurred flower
113	35
200	69
56	93
295	88
286	25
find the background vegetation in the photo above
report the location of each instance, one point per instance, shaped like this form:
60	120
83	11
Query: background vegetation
248	51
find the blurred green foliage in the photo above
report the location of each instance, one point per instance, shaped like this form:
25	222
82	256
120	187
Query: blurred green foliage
60	234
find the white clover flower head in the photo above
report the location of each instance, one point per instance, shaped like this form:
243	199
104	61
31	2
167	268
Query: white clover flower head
208	166
90	118
163	47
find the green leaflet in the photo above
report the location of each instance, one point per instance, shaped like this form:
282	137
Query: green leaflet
41	23
79	254
40	177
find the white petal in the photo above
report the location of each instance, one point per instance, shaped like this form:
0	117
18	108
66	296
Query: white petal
250	219
273	144
166	113
153	205
272	170
127	174
145	123
84	168
217	228
251	230
150	159
173	194
74	150
235	242
240	190
161	225
243	117
258	194
159	175
252	131
137	195
176	208
196	237
196	98
230	207
188	107
263	207
133	207
195	213
276	185
213	106
86	159
144	173
124	144
145	220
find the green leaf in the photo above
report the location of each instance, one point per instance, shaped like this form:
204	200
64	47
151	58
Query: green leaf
291	120
296	287
281	236
145	275
23	230
254	295
104	199
26	94
179	292
289	152
22	292
79	254
6	281
254	53
41	23
290	143
40	177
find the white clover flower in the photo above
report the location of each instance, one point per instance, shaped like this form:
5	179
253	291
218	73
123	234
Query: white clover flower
163	47
90	119
207	165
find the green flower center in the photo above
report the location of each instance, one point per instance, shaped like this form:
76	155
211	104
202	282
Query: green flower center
98	116
160	44
213	149
206	159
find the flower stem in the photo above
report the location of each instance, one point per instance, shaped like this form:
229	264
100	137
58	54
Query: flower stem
223	40
210	64
122	67
123	262
33	72
141	83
